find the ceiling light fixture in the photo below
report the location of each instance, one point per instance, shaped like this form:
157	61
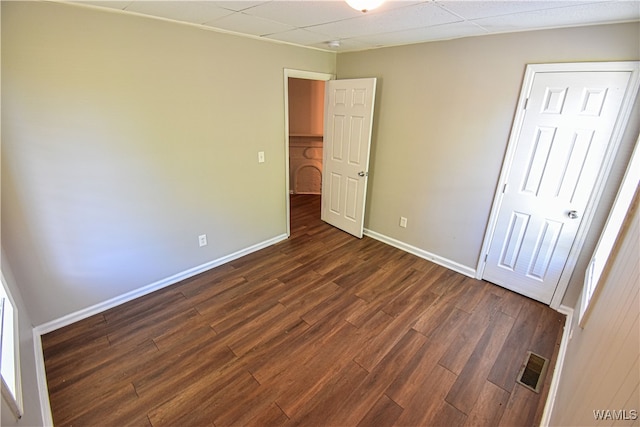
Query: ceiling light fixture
334	43
364	5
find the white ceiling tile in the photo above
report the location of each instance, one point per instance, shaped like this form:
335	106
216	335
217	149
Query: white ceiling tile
402	18
388	5
394	22
347	45
437	32
474	9
237	6
196	12
566	16
112	4
240	22
300	36
304	13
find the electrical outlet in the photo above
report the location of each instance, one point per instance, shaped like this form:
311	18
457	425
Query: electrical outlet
403	222
202	240
260	156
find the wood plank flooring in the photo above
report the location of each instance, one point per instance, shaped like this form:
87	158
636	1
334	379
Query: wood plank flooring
320	330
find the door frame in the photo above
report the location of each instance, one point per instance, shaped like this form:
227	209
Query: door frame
298	74
608	161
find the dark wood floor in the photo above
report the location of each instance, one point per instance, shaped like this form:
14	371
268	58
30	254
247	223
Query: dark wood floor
321	329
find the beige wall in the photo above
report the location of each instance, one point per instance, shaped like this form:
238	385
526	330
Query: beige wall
443	116
601	370
123	139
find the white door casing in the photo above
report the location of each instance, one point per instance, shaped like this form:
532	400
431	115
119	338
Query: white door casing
347	142
563	141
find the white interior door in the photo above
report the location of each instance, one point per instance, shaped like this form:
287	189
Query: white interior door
569	119
347	140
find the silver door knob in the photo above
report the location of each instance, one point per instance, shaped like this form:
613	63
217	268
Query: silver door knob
362	173
572	214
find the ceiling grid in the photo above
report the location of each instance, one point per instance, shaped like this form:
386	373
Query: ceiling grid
316	23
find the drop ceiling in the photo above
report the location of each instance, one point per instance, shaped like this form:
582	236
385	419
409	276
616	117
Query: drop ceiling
316	23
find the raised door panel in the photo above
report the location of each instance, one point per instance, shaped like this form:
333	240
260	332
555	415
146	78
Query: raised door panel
348	120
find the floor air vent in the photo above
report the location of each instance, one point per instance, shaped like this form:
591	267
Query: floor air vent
533	371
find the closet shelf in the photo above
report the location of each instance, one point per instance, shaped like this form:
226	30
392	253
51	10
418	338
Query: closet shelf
306	135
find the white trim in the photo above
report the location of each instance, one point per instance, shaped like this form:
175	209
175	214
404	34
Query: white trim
557	371
610	232
15	402
625	111
45	328
41	377
445	262
10	400
298	74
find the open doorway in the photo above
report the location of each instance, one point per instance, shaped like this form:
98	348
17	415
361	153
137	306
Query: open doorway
304	128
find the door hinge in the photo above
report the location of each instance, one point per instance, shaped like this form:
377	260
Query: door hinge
504	188
485	257
526	103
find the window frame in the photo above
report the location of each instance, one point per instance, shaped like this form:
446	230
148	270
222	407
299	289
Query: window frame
13	398
597	268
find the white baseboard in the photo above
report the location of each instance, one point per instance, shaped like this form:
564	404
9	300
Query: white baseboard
41	378
129	296
451	265
562	352
45	328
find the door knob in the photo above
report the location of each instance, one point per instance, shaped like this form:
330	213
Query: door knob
362	173
572	214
